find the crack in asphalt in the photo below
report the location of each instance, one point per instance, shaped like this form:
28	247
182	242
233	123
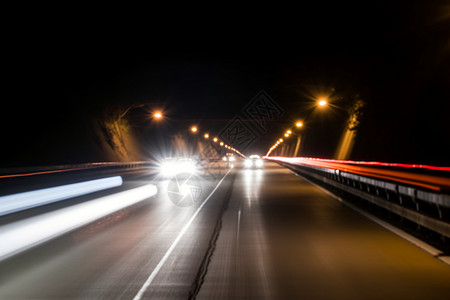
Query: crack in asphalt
203	269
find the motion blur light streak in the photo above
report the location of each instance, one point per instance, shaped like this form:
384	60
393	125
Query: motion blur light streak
21	201
64	169
21	235
253	180
436	183
42	172
371	163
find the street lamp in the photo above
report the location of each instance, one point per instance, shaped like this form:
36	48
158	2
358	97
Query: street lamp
194	129
206	136
322	102
157	115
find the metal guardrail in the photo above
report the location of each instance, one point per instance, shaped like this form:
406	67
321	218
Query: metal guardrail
416	203
40	170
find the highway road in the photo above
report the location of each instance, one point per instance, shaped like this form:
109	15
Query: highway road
252	234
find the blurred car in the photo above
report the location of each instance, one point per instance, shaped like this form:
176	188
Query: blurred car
229	157
172	166
253	162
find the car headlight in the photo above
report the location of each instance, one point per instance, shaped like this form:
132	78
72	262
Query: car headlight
248	163
167	169
259	163
176	167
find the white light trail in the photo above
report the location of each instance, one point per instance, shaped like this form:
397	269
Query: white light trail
21	235
21	201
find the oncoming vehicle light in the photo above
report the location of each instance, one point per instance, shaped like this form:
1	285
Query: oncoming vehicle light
173	166
254	161
259	163
248	163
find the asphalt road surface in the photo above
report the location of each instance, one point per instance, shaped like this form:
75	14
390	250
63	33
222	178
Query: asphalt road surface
253	234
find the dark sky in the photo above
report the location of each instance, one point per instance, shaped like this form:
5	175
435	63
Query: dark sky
207	64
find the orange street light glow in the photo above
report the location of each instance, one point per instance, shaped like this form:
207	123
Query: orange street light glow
299	124
206	136
157	115
221	143
194	129
215	140
322	102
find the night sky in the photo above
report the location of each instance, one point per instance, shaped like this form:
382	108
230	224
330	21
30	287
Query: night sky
208	64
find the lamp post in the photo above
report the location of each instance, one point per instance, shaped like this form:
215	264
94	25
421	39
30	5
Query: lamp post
298	125
157	114
321	103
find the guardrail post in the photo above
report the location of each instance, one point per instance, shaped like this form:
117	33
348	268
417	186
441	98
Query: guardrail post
400	198
416	202
439	211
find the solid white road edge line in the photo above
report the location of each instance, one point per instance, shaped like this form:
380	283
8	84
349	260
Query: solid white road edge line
174	244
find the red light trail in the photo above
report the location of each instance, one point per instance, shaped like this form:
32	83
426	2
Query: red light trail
433	182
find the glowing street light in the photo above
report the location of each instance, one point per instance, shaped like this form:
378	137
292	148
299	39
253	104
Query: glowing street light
215	140
206	136
157	115
194	129
322	102
288	133
221	143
